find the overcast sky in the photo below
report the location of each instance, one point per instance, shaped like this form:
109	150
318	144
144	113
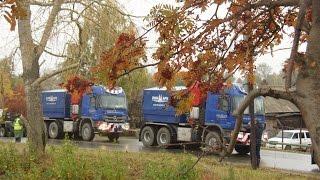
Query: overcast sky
9	40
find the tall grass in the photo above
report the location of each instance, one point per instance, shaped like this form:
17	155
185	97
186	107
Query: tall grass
69	162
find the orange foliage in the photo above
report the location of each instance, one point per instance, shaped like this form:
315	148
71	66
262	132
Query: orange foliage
204	51
16	12
16	103
126	54
77	86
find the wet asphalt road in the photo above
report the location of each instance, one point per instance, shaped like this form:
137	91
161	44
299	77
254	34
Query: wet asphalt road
270	159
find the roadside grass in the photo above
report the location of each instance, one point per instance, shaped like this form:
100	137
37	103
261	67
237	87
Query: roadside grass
69	162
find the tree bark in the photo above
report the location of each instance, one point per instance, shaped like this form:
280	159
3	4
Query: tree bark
30	54
34	121
308	82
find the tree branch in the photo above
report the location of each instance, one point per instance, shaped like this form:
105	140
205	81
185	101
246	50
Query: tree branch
48	28
272	3
295	46
47	76
51	3
136	68
238	113
56	55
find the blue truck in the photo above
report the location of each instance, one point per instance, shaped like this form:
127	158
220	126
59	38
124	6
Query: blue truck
100	111
214	121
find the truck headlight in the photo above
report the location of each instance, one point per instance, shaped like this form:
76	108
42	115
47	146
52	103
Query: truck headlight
194	113
240	135
126	126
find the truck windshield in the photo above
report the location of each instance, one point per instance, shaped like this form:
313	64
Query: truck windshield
113	102
258	105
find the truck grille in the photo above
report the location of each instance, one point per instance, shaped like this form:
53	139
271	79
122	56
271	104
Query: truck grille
115	118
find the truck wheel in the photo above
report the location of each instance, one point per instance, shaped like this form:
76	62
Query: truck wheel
2	132
163	137
54	130
242	149
87	132
148	136
213	143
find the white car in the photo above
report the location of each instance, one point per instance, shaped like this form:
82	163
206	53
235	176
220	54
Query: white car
291	140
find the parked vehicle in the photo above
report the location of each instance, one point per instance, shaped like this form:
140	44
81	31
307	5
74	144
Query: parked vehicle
100	111
210	120
291	140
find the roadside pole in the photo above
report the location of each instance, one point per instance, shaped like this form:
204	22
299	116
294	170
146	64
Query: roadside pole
253	127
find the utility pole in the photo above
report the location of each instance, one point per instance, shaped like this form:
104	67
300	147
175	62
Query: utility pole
253	127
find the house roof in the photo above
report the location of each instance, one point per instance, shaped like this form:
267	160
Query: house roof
275	106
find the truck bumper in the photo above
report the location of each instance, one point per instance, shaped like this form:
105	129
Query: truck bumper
243	138
110	127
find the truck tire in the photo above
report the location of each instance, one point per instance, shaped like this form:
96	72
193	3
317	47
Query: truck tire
55	130
87	132
148	136
2	131
242	149
213	143
163	137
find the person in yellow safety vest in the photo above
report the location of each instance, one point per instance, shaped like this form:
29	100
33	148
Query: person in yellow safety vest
18	128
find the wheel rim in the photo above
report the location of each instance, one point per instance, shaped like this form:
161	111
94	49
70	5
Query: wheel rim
212	142
53	130
163	138
2	132
86	132
147	136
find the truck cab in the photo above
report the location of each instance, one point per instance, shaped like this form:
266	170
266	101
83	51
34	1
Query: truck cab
100	111
107	109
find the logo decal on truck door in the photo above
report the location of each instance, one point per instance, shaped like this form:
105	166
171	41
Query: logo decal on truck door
160	99
51	99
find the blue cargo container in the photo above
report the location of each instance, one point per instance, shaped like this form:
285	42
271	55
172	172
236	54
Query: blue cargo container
211	122
56	104
156	109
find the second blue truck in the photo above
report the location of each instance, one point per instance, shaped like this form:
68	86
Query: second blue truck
214	120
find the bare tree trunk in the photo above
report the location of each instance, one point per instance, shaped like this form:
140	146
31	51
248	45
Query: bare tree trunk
35	128
34	121
309	107
253	135
308	82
